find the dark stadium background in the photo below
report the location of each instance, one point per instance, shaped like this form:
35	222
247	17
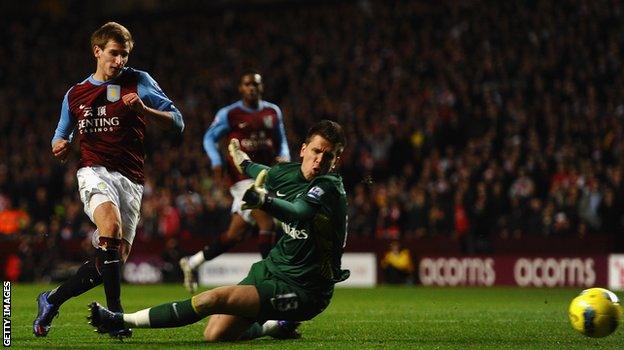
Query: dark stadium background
475	128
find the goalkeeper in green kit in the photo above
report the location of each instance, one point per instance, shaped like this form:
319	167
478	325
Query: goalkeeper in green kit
296	280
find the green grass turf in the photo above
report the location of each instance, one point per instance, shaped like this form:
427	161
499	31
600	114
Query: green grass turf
380	318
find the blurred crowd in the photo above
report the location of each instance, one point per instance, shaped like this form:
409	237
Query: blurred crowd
471	119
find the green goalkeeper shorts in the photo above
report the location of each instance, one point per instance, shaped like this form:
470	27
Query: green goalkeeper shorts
280	300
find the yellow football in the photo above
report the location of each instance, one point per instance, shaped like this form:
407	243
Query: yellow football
595	312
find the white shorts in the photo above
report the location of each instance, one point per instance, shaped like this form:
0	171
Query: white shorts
98	185
237	191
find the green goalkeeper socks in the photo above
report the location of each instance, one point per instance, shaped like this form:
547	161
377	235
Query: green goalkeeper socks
175	314
253	332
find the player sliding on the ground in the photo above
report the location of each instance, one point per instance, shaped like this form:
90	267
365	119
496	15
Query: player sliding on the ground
296	281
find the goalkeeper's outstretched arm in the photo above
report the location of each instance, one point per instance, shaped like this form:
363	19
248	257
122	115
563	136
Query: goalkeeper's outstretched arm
252	169
257	197
299	210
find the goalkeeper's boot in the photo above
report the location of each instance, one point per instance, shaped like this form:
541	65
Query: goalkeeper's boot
120	333
286	330
190	281
47	311
106	321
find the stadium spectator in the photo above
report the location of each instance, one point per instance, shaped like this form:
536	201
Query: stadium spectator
397	265
13	220
12	267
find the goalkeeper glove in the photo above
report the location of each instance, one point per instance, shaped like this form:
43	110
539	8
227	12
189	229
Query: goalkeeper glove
256	195
239	157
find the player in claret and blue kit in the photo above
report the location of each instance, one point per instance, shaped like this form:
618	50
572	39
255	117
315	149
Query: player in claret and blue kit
259	126
108	113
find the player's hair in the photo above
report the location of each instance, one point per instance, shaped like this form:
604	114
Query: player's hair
112	31
249	71
330	131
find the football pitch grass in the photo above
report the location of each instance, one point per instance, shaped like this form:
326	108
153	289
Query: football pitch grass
379	318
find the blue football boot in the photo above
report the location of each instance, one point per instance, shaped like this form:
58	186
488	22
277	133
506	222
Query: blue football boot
47	311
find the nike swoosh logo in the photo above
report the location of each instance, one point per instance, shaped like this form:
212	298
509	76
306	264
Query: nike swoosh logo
242	125
279	194
106	262
175	309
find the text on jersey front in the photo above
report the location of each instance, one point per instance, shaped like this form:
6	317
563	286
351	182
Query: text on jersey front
293	232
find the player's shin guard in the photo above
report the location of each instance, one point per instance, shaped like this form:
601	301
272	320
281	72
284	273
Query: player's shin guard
109	261
85	278
265	242
175	314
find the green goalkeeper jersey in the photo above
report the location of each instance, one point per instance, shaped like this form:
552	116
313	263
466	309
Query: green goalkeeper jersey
310	251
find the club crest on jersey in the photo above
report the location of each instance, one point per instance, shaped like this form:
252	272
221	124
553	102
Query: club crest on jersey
268	122
113	93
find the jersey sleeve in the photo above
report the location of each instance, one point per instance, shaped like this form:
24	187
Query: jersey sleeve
253	169
215	132
284	151
67	122
299	210
149	91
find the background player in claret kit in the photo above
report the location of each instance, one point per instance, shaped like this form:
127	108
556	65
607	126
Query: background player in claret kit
108	113
259	126
296	280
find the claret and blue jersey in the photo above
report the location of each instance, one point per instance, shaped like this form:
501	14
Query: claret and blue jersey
110	133
260	131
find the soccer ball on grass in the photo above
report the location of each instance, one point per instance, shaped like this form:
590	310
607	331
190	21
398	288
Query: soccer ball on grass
595	312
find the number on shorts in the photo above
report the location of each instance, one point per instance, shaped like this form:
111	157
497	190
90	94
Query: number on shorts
285	302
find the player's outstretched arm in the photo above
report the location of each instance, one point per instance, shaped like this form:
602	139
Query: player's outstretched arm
283	210
257	197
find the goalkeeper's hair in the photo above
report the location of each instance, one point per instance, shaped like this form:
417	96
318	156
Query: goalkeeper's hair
330	131
112	31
